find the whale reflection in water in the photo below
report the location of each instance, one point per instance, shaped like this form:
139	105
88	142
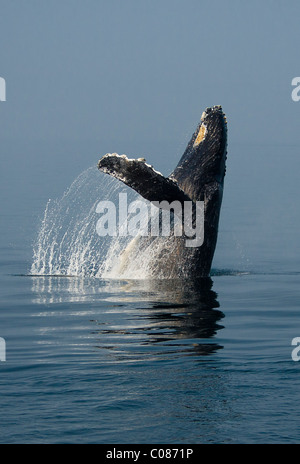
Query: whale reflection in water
179	317
132	319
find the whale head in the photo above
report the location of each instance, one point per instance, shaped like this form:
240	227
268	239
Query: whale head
203	161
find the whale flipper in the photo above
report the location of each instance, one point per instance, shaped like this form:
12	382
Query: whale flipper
142	178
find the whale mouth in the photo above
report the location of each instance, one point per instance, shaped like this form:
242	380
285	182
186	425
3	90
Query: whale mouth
212	109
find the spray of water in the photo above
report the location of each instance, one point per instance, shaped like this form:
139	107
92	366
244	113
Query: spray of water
67	243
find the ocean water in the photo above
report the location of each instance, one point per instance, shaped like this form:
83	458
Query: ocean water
93	359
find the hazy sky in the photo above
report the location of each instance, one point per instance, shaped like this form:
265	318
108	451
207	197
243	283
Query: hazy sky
133	76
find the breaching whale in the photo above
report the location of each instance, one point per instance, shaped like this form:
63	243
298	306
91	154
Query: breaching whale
199	176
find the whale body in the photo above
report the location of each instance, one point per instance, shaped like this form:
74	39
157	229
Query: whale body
199	176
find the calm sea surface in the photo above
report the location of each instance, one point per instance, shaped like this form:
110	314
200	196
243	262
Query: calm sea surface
107	361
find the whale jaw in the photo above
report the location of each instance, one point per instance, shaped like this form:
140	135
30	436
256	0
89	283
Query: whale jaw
203	161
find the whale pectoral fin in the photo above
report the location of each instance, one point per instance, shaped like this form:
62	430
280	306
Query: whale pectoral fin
141	177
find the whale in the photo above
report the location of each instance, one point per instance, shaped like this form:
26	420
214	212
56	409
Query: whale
198	177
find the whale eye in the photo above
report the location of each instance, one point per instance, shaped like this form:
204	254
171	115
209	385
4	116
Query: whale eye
201	135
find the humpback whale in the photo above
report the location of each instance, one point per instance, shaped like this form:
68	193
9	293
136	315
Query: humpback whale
199	176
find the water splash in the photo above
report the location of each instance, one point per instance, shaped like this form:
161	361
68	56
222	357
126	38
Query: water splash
67	243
